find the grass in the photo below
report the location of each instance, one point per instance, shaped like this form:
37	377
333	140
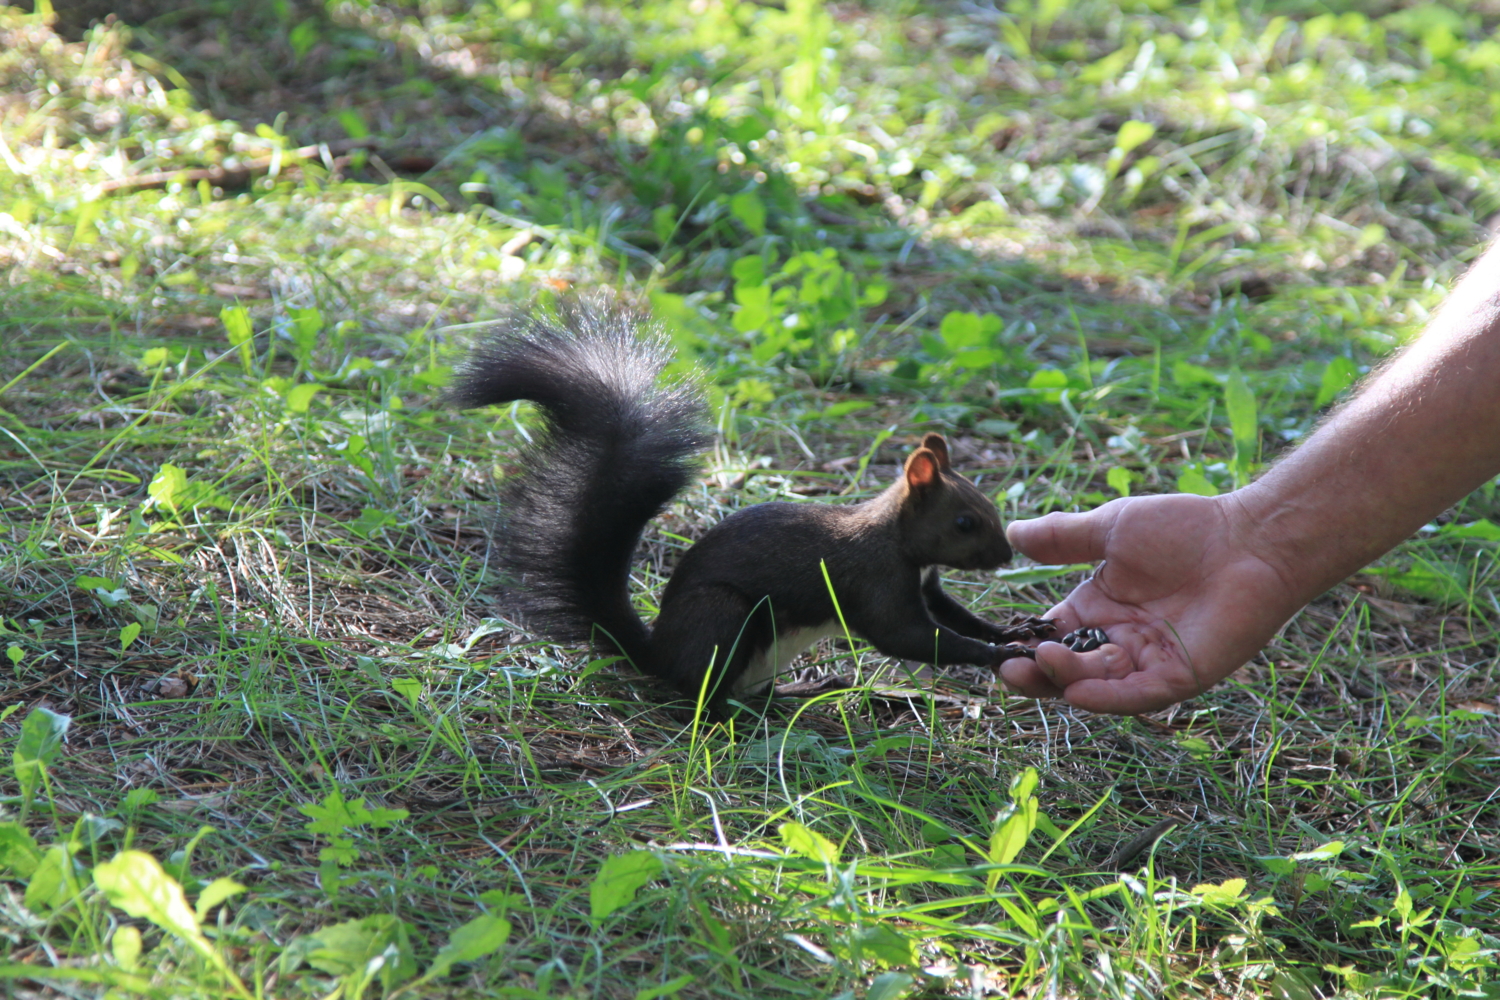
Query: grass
268	738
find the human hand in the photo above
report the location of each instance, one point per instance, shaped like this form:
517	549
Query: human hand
1187	592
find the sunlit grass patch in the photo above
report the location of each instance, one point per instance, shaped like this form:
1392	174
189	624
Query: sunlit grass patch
264	728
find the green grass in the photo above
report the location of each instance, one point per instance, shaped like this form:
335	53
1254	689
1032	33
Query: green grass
244	550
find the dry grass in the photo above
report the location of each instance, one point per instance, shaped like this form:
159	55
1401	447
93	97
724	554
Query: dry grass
316	612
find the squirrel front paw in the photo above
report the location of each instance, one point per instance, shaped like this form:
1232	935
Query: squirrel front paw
1083	640
1028	627
1010	651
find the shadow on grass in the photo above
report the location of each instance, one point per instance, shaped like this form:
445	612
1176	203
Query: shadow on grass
494	134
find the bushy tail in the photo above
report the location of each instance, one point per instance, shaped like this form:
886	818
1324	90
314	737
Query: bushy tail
616	447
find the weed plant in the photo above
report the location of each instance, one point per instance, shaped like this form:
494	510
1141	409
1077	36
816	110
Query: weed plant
268	737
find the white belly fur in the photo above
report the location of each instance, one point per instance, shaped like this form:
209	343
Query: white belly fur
775	658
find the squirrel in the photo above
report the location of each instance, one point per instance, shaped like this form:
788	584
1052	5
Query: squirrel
617	446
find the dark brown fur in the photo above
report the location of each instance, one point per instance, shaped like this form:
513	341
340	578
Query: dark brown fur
617	448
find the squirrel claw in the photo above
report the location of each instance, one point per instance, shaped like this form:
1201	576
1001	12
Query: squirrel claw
1029	627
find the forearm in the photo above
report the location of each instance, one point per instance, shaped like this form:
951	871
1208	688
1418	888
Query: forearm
1421	435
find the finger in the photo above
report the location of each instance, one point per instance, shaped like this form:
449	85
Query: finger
1022	676
1065	667
1056	666
1063	538
1130	695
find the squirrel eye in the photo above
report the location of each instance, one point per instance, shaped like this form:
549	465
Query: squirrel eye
964	523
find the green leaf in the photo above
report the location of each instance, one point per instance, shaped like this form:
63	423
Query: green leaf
664	223
133	881
887	945
171	489
619	879
1228	892
167	485
353	123
748	208
354	451
1338	375
843	409
335	815
1012	829
809	843
104	589
54	883
997	428
381	818
1185	373
1277	865
299	397
371	521
1197	747
1436	580
1132	134
340	852
19	852
749	272
484	935
125	945
1119	478
1327	852
1023	575
1191	480
357	951
669	988
241	334
138	798
41	738
409	688
303	37
754	309
963	330
306	325
1239	402
1050	381
215	893
128	634
1483	529
1023	785
889	986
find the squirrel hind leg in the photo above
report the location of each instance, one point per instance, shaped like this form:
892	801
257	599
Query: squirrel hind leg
712	630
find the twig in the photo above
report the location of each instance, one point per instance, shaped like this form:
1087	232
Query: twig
1127	852
232	176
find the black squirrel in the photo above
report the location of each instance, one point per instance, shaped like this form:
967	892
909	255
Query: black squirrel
617	446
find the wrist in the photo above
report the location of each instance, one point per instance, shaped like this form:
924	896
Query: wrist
1286	537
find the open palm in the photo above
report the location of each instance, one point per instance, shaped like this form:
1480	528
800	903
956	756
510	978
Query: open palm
1183	592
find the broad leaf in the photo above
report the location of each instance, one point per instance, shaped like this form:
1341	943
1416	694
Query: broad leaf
809	843
357	950
889	986
619	879
41	738
19	852
484	935
215	893
133	881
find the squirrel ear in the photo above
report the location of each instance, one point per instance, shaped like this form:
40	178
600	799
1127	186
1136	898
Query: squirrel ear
936	444
922	469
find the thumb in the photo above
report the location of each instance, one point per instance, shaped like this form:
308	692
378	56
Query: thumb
1064	538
